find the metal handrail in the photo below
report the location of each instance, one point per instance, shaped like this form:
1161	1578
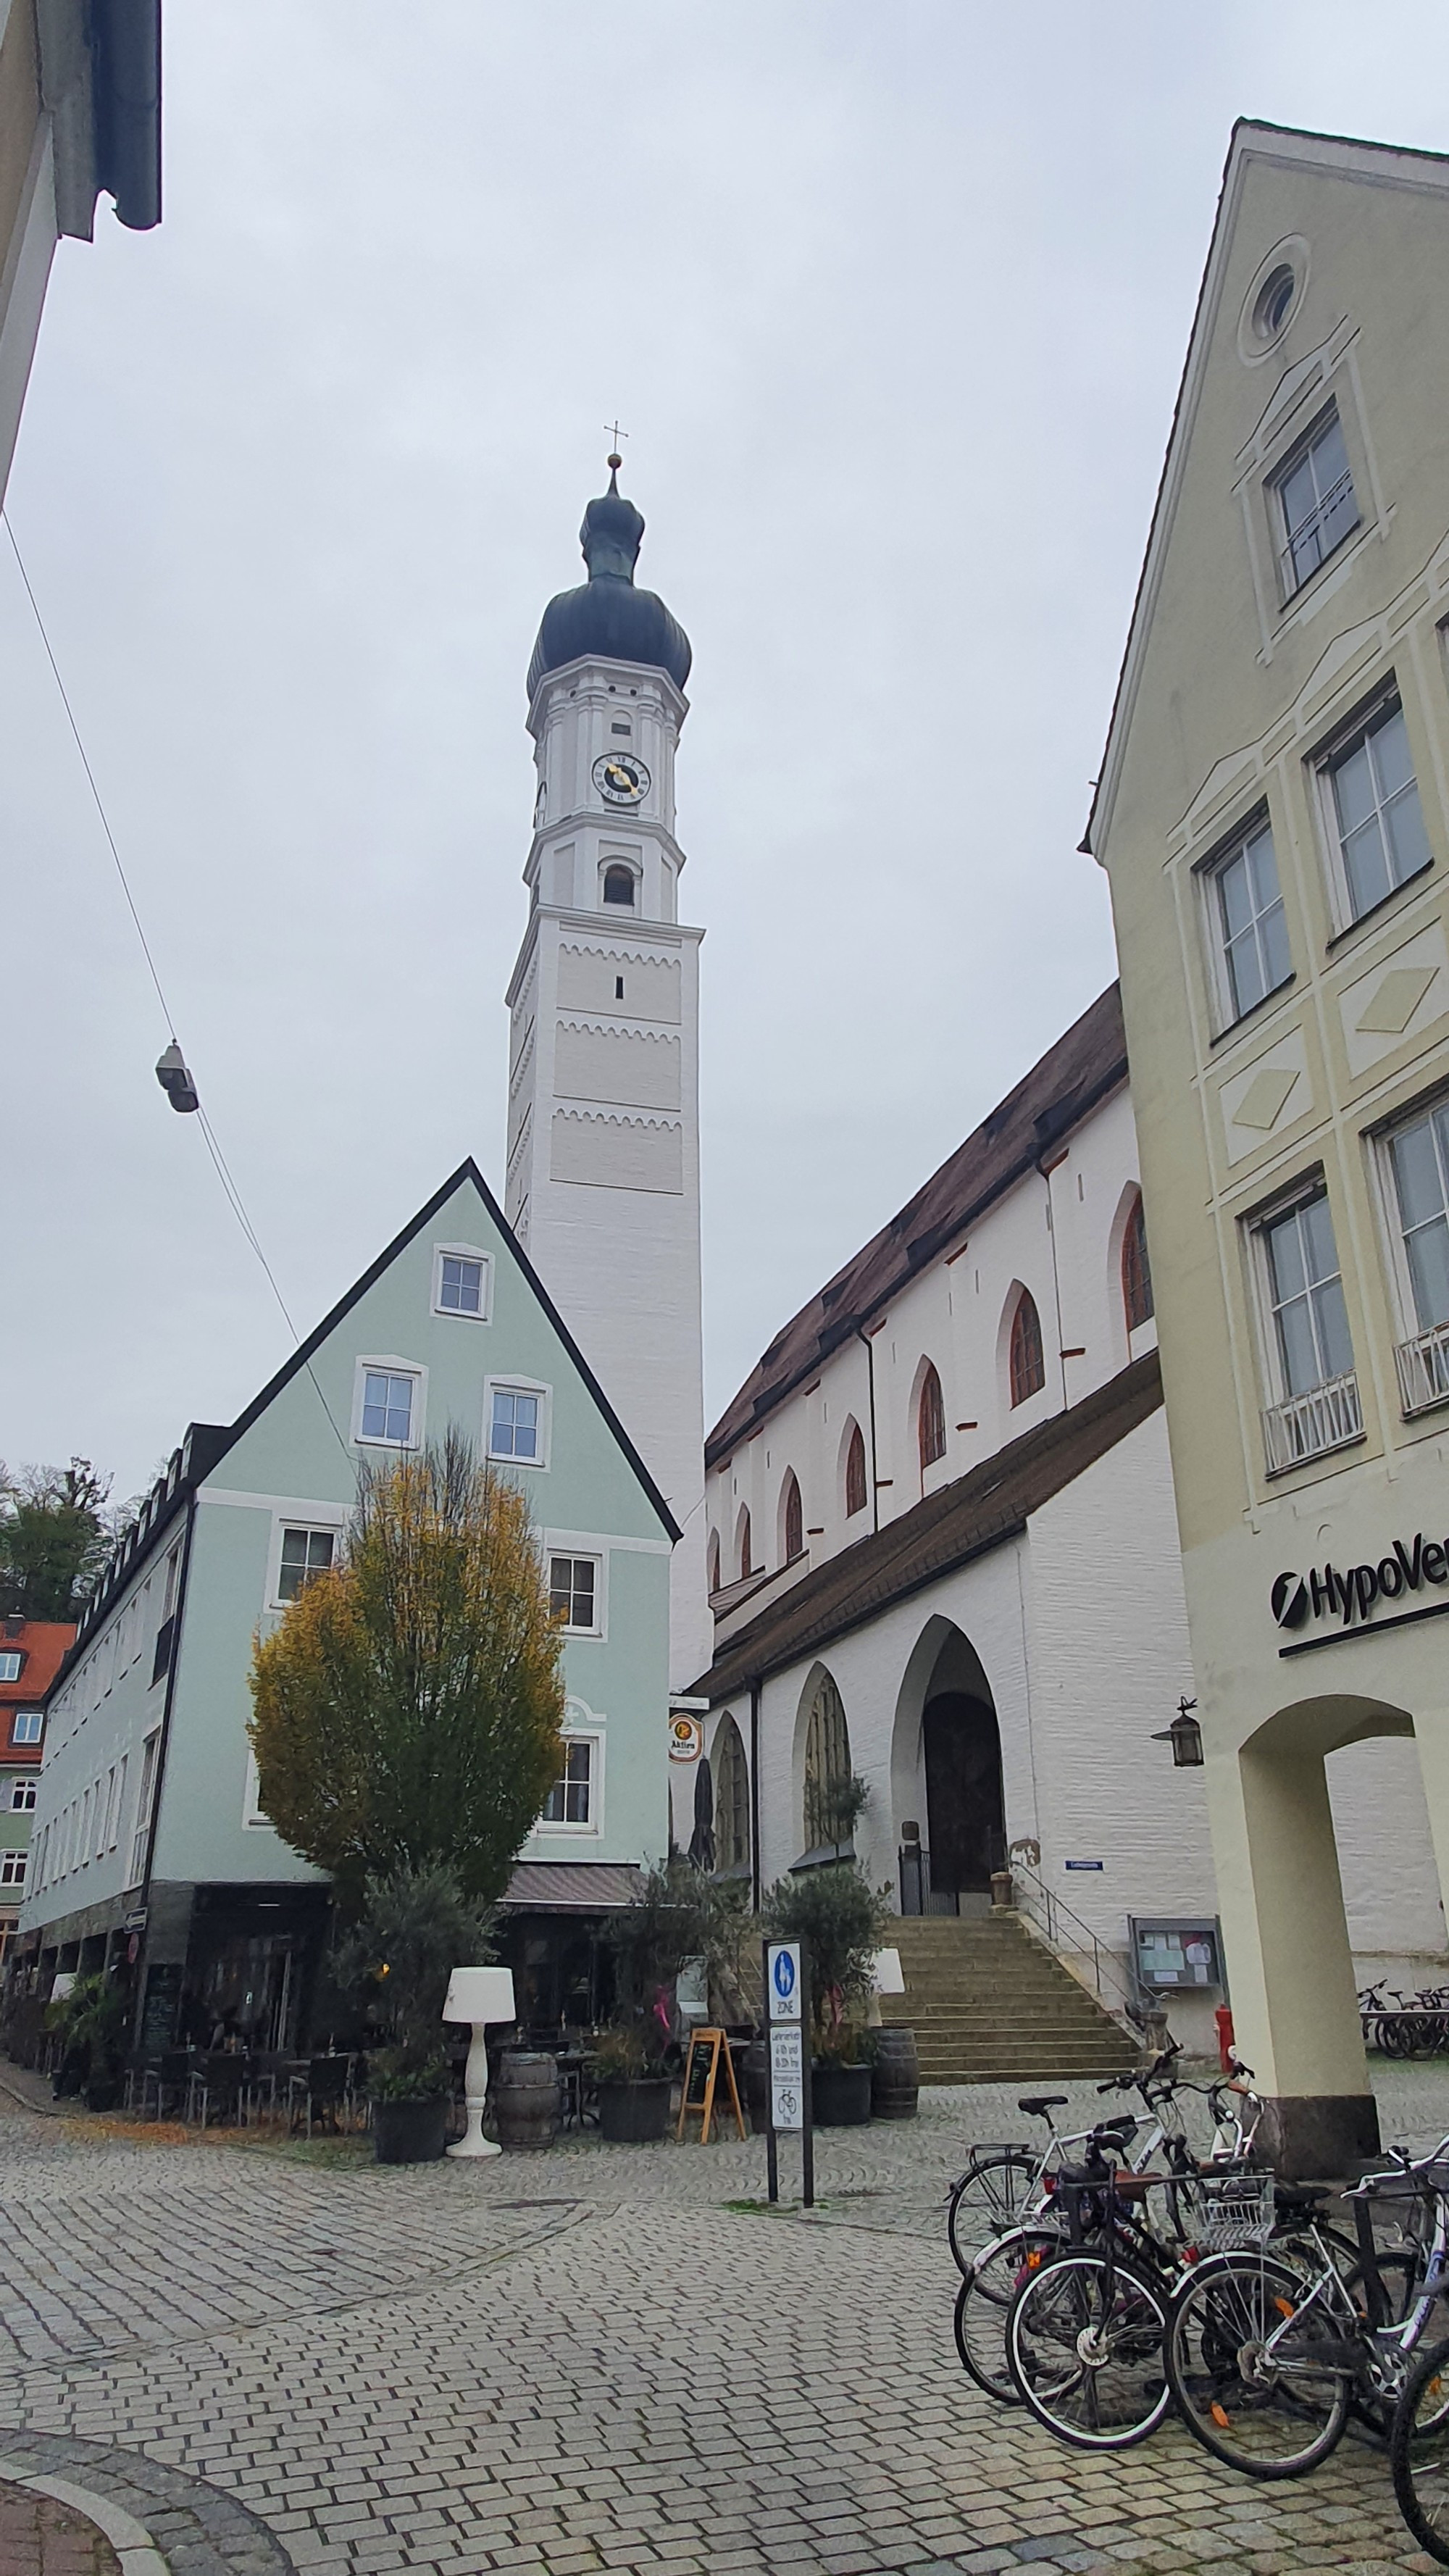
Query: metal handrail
1047	1912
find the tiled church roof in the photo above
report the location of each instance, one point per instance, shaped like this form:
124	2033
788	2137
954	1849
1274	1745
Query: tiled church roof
944	1530
1084	1065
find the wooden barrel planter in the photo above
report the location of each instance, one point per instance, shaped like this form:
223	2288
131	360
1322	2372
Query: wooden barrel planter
527	2099
840	2096
895	2078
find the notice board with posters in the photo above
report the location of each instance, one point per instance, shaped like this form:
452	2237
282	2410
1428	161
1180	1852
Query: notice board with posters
1171	1955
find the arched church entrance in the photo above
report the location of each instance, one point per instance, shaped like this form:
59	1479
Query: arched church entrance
946	1783
965	1810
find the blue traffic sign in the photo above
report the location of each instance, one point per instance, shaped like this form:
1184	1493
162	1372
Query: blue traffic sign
784	1975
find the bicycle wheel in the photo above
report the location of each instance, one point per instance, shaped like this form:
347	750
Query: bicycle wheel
1419	2451
983	2303
993	2194
1272	2415
1084	2340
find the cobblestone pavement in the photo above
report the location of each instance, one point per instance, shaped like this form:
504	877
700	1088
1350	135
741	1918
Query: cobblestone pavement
588	2361
39	2537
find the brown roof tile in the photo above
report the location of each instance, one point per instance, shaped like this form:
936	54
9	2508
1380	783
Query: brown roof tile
1084	1065
946	1529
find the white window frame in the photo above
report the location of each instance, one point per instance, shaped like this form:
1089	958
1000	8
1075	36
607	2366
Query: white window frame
578	1556
583	1543
1432	1390
520	1386
1279	1398
20	1803
392	1366
305	1517
1209	872
11	1655
254	1815
593	1737
1386	702
22	1721
145	1804
628	860
1290	581
13	1868
463	1252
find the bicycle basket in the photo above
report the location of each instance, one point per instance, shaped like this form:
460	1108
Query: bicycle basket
1232	2209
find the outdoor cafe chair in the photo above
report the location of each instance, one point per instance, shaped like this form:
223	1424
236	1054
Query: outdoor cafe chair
319	2093
168	2077
217	2086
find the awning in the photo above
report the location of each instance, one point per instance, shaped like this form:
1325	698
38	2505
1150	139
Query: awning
573	1886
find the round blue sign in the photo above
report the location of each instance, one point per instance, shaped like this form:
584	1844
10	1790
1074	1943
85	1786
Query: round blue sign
784	1973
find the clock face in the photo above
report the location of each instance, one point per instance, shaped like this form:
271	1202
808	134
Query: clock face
620	777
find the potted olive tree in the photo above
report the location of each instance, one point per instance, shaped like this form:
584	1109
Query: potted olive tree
843	1921
679	1914
91	2020
416	1927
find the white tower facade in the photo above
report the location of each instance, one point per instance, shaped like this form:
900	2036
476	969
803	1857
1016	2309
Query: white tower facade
603	1112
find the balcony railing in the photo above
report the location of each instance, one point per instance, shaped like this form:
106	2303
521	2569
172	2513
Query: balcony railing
1423	1366
1325	1418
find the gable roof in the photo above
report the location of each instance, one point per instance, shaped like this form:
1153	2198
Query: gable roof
946	1529
1383	165
207	1443
1087	1062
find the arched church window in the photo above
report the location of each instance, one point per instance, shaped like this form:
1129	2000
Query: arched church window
713	1561
794	1519
619	886
1028	1361
1136	1269
732	1799
855	1473
827	1770
746	1562
931	1419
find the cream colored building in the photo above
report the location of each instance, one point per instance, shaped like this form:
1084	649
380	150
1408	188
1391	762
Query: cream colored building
80	110
1273	815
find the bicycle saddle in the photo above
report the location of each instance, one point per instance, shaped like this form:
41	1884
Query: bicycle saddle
1040	2103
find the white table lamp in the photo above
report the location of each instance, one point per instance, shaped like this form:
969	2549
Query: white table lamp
479	1996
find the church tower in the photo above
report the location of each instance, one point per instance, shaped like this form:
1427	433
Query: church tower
603	1103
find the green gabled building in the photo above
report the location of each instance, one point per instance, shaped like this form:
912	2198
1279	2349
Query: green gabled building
148	1836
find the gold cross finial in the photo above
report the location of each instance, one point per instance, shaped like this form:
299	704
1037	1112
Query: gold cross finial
614	460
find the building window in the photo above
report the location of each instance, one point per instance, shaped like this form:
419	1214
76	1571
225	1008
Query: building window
731	1798
306	1553
1418	1156
827	1769
515	1424
29	1726
794	1519
619	886
713	1566
12	1868
571	1799
1136	1269
1376	815
1316	503
931	1420
855	1473
1311	1353
460	1283
145	1801
385	1416
746	1542
22	1795
1250	930
573	1592
12	1664
1028	1361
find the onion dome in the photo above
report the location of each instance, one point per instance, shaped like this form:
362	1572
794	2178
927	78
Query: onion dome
607	617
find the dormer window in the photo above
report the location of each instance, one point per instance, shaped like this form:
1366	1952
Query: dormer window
619	886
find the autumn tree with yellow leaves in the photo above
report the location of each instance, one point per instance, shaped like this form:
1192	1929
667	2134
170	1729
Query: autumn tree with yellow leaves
406	1709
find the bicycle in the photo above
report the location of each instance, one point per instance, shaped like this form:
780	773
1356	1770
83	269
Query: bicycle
1086	2330
1266	2351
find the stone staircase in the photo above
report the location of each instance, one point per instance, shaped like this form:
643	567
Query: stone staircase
990	2003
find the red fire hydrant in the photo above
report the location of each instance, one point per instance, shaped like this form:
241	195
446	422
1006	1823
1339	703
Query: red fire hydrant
1224	2019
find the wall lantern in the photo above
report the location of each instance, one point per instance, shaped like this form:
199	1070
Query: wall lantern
1185	1737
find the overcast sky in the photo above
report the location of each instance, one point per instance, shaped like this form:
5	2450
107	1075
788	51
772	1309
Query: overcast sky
891	297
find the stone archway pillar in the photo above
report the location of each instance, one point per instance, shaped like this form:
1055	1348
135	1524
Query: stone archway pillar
1295	2007
1431	1735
